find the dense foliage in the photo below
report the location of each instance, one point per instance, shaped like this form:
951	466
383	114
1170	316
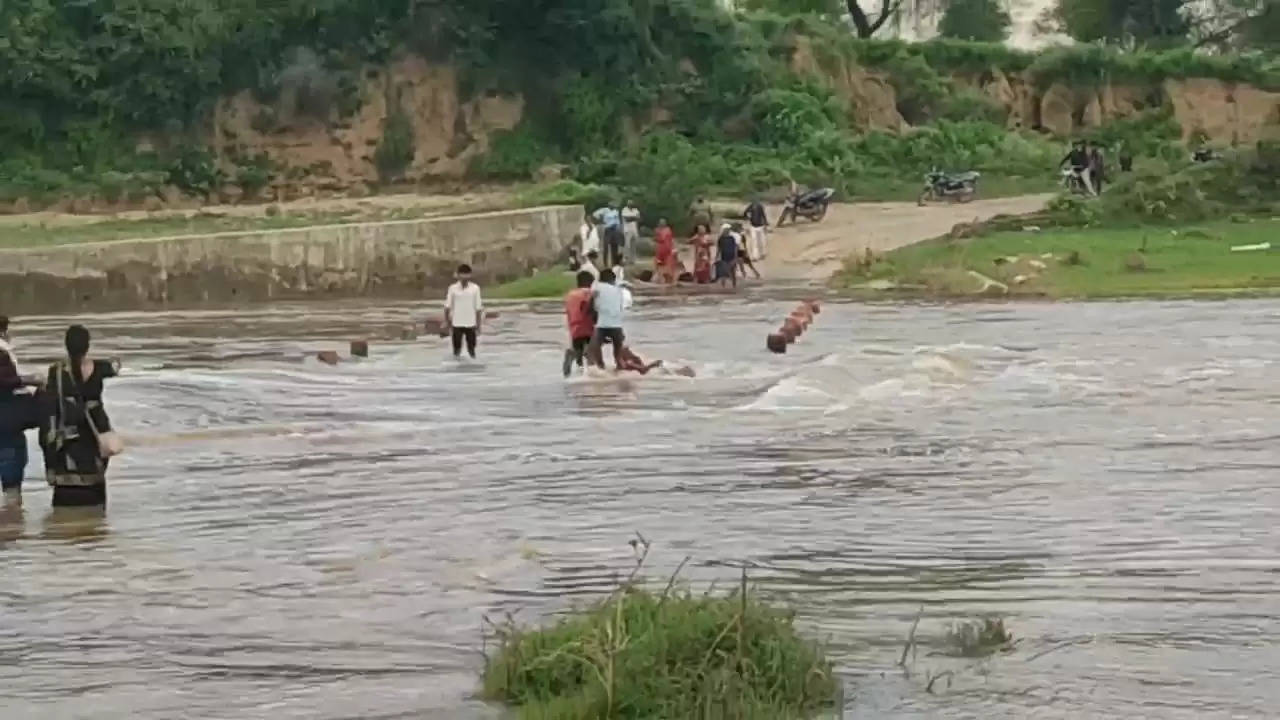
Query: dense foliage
112	97
982	20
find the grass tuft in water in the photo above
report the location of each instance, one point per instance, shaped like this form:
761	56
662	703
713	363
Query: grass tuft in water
638	654
978	638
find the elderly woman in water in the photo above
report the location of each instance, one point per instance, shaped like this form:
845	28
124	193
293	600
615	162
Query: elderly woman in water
75	432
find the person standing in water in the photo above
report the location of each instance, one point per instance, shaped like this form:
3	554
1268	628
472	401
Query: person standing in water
581	320
463	311
18	413
75	432
610	305
727	260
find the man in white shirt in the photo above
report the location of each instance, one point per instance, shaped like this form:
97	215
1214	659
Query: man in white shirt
463	311
588	236
589	265
610	306
630	229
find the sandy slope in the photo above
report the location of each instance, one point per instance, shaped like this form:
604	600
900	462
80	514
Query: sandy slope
813	251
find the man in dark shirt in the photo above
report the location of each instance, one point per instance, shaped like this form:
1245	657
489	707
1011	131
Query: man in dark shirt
727	259
757	221
1079	159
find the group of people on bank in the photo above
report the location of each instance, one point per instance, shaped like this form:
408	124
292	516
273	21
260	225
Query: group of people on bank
65	406
608	238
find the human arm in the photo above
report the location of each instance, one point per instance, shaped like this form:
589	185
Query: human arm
479	310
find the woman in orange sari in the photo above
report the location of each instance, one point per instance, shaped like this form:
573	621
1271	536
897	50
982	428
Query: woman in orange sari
701	242
664	253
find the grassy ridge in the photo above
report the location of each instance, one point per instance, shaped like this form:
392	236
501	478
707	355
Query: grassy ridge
1090	262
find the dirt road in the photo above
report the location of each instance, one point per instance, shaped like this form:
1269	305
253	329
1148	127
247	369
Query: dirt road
813	251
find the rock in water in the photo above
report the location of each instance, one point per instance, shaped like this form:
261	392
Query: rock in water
776	343
329	357
434	326
360	348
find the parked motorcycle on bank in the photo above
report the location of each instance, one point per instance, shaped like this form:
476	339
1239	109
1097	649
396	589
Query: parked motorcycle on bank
812	205
1073	182
941	186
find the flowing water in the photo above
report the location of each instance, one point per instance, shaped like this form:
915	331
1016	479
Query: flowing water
291	540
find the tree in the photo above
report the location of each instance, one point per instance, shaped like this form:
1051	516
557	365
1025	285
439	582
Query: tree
982	20
796	7
1142	22
1235	25
866	26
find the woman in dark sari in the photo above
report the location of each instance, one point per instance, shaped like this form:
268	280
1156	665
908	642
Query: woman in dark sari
75	432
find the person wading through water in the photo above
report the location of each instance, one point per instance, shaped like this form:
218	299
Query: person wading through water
609	304
18	413
463	311
75	432
581	320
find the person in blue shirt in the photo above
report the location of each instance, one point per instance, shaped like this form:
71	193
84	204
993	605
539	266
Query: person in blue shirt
609	304
610	218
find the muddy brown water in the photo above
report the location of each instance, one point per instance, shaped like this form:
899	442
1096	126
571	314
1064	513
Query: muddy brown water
291	540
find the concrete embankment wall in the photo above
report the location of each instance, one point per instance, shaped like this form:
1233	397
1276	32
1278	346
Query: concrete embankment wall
384	259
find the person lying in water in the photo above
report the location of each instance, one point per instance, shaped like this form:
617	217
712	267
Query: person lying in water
629	361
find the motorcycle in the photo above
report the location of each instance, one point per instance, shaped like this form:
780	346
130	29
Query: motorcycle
1073	182
939	186
812	205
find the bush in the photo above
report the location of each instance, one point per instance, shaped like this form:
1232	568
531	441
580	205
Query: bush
397	148
978	638
568	192
639	655
194	171
981	20
254	174
1147	134
788	118
515	155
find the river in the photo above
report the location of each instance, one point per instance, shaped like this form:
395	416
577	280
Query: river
287	539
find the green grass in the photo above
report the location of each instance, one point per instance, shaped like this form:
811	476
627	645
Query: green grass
1089	263
637	654
546	284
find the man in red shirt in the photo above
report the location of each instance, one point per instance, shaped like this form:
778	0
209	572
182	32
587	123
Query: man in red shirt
581	320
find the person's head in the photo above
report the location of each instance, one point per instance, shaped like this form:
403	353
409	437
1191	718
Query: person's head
585	279
630	203
4	327
77	342
662	222
463	274
702	229
724	228
593	256
607	276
